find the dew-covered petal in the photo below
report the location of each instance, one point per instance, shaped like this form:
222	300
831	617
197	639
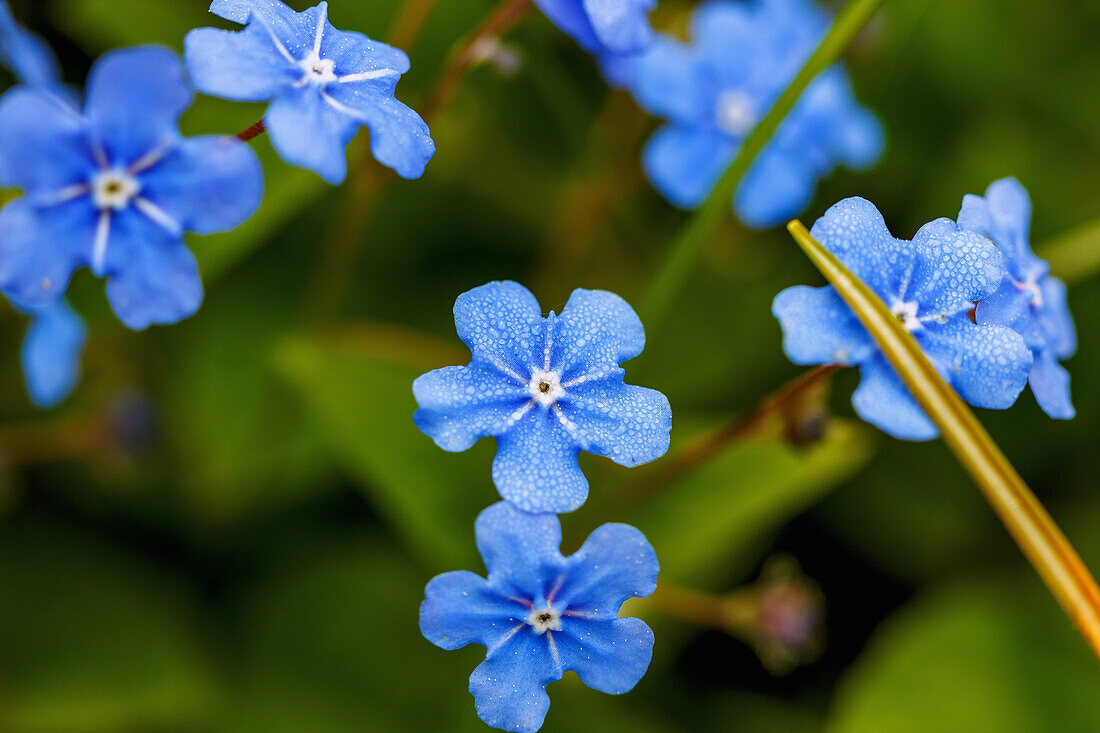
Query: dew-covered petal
502	324
153	279
459	405
776	188
244	66
621	25
954	268
1055	320
987	365
882	400
51	352
854	231
536	465
399	138
611	656
295	32
615	563
520	550
207	184
460	608
628	424
509	687
596	329
1011	307
668	80
684	163
43	143
571	18
135	97
1049	382
1004	215
310	133
40	248
820	328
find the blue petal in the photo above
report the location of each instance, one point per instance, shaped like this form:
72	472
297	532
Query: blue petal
862	139
776	188
628	424
244	66
1005	216
51	353
461	608
1011	307
294	31
536	465
27	55
1055	320
571	18
882	400
135	97
43	143
40	248
988	365
207	184
669	81
152	277
520	550
502	324
954	268
820	328
459	405
621	25
854	231
509	687
611	656
616	563
685	163
310	133
1050	384
596	331
355	53
399	138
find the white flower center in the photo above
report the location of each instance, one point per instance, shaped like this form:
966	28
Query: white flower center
318	71
907	314
544	619
545	387
113	189
736	112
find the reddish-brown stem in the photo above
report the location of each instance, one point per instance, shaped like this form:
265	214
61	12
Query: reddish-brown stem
252	131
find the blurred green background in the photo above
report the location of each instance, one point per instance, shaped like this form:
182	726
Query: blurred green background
229	526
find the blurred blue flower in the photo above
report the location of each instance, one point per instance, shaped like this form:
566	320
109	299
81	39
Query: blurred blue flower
714	92
51	351
546	389
930	284
323	83
603	27
1029	301
27	55
540	614
116	188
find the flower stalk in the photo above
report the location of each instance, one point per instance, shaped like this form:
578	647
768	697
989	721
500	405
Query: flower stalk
1033	529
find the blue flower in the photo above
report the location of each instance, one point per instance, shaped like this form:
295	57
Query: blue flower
27	55
603	27
931	285
546	389
115	189
1029	301
714	92
323	84
51	352
540	614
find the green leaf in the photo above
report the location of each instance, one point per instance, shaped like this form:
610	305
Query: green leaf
974	657
92	641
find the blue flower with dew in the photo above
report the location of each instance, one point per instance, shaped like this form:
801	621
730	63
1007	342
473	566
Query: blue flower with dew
1030	301
546	389
540	614
323	85
116	187
714	91
603	27
930	284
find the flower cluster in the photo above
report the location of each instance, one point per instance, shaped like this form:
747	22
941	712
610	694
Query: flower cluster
986	327
714	91
546	388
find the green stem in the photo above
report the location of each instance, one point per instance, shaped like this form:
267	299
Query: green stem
1025	518
689	246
